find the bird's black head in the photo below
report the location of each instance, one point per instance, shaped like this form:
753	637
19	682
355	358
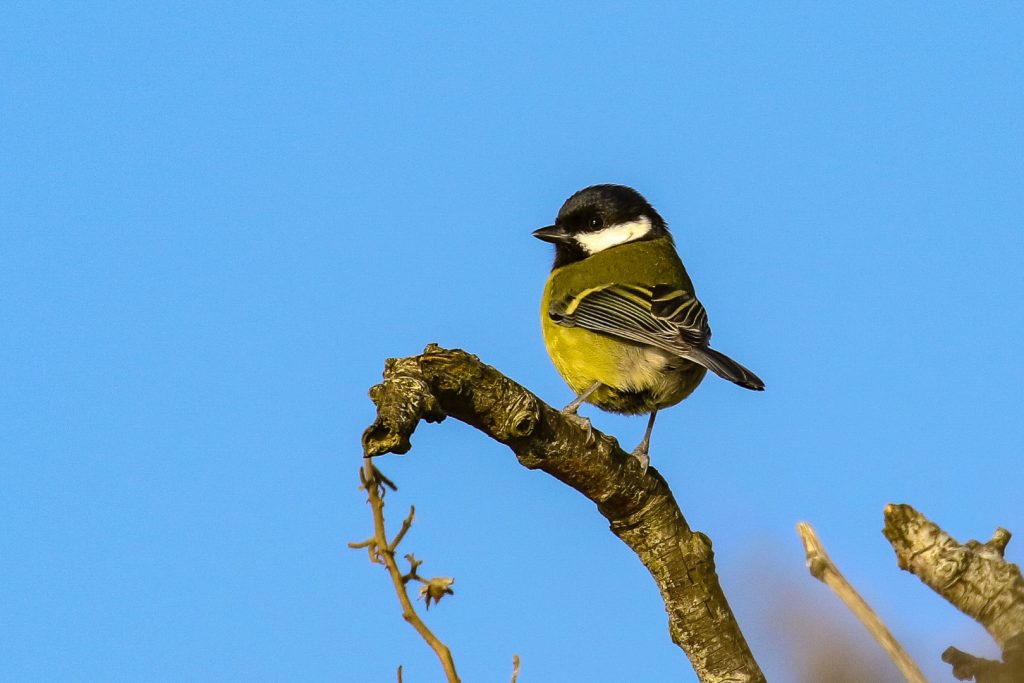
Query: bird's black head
600	217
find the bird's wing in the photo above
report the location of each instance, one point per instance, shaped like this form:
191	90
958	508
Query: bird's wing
663	316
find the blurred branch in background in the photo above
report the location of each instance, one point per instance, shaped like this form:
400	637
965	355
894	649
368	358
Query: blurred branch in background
639	507
824	569
975	578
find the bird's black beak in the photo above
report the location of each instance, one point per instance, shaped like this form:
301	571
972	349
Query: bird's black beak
552	233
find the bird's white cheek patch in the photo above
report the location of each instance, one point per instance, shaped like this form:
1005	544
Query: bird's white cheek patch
593	242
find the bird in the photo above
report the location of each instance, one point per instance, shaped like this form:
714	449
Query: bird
619	314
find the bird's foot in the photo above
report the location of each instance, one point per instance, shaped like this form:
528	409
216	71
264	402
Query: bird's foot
582	422
640	453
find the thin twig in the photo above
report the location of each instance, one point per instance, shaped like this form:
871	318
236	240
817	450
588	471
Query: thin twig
515	668
824	569
384	552
405	528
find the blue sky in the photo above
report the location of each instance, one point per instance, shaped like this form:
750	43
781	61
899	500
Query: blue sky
218	221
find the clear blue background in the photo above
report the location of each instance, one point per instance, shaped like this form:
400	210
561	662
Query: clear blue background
218	221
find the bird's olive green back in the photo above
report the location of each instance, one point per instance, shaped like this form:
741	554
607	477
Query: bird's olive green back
647	262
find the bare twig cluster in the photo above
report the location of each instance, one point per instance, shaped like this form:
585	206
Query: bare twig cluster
382	551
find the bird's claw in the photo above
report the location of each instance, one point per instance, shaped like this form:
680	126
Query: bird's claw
583	423
642	457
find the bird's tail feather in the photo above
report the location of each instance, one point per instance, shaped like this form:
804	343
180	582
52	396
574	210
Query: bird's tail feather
725	367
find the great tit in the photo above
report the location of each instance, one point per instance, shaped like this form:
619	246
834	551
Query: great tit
620	318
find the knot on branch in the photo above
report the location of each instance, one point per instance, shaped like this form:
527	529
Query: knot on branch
995	547
403	399
486	398
521	418
418	387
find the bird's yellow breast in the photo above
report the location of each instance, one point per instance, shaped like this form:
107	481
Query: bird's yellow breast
635	378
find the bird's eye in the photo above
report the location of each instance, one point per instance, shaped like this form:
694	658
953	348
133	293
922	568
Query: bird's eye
596	222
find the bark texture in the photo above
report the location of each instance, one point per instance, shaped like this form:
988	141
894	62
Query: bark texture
975	578
640	508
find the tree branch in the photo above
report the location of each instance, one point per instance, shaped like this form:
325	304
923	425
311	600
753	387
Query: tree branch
641	509
975	578
825	570
383	552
